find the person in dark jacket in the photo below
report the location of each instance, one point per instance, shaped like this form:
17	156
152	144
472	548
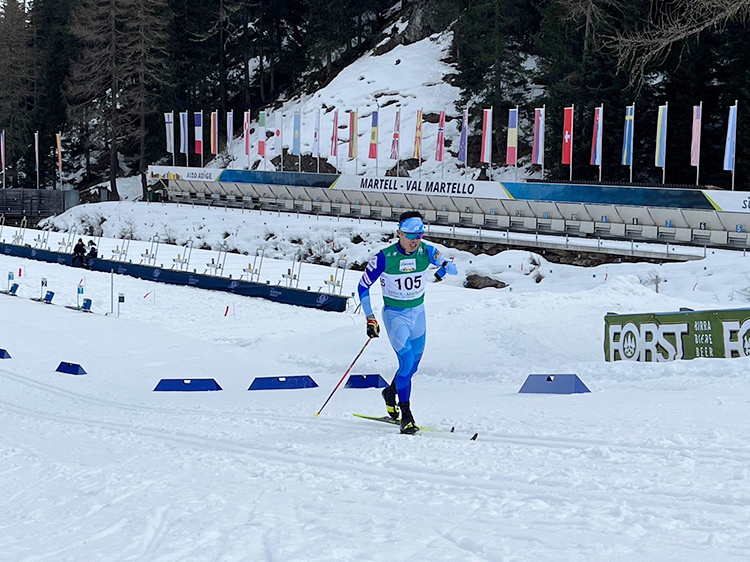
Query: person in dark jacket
79	253
93	252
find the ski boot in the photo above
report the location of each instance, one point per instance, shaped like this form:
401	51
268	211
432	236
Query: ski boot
408	427
389	395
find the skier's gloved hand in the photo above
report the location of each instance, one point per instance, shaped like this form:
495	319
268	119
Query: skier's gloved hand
450	268
373	329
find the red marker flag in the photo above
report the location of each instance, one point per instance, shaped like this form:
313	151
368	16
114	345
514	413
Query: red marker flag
567	151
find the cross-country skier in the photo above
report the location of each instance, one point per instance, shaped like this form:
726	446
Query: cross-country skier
402	269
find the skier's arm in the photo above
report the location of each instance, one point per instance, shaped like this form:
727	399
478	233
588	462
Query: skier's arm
375	267
438	259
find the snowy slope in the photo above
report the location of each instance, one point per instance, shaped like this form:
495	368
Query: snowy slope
652	465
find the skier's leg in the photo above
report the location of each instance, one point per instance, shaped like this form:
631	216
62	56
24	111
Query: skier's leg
398	327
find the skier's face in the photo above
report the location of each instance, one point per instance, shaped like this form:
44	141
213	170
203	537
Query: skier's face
408	244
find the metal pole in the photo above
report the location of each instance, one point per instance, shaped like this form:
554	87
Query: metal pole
342	378
632	144
734	154
601	148
572	128
698	165
664	168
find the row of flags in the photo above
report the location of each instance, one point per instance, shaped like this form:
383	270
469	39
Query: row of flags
58	148
511	157
277	134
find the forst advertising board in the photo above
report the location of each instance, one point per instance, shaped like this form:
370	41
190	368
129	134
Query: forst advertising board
677	335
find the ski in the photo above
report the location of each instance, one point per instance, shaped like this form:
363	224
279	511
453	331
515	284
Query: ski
391	421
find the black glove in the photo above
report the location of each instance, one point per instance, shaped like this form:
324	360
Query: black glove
373	329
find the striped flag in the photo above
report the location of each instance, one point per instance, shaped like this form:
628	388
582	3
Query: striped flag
2	149
627	136
36	151
730	146
246	132
440	148
230	130
316	137
262	134
214	132
464	136
486	154
695	141
199	132
374	136
352	135
169	125
58	142
335	134
183	132
661	137
512	144
537	151
567	150
596	140
396	142
278	135
418	137
296	142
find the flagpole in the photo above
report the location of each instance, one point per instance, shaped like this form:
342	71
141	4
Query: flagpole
664	168
518	130
572	128
543	128
698	164
632	143
174	163
187	141
36	142
601	147
489	125
398	143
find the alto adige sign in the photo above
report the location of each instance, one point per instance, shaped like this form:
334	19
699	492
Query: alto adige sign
677	335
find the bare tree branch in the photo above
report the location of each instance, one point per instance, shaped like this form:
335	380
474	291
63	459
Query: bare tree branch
680	20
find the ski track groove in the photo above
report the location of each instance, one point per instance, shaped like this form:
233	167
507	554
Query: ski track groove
739	455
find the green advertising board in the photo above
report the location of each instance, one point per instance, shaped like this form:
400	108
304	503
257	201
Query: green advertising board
670	336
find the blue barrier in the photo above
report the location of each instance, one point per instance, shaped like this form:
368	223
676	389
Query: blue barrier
553	384
276	293
4	354
70	368
366	381
282	383
187	385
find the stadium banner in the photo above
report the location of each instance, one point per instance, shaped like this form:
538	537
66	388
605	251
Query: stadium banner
407	186
182	173
671	336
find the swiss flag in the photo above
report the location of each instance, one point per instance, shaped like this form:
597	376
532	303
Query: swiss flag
567	151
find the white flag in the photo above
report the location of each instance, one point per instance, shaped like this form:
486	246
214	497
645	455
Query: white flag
316	139
230	130
169	124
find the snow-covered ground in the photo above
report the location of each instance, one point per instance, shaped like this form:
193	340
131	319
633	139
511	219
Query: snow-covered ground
651	465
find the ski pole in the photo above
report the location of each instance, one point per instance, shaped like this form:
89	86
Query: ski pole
342	378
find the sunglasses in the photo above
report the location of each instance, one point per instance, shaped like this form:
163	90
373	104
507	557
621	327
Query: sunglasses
417	236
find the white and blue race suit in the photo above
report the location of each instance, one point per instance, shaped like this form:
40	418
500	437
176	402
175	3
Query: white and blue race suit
402	279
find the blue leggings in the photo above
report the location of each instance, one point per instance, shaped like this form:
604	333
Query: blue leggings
406	331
